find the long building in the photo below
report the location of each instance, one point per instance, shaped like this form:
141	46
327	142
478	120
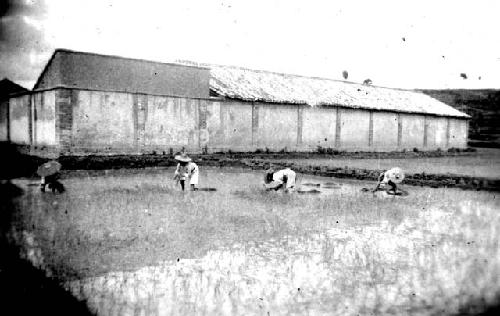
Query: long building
89	103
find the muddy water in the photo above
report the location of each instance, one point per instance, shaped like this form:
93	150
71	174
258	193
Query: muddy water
381	269
222	180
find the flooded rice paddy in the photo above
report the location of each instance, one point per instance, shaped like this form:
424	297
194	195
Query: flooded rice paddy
132	244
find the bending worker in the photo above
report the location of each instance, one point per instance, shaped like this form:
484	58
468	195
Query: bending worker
390	177
281	179
186	170
49	176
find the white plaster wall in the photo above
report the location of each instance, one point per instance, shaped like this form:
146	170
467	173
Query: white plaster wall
436	132
4	115
385	131
277	126
103	119
19	113
412	131
458	133
318	127
354	130
171	122
44	126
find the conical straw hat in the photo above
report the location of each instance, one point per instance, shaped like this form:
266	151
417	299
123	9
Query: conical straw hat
182	158
396	175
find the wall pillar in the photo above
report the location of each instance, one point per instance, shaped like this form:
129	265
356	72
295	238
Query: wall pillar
426	130
447	132
64	118
255	123
140	112
222	116
338	129
135	110
4	119
400	131
203	136
300	118
202	114
467	132
30	119
370	130
33	119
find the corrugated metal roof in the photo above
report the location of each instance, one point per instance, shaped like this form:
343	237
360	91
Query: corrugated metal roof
257	85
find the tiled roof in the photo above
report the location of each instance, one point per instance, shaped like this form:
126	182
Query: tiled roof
255	85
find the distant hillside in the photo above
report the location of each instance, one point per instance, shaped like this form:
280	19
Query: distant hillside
484	108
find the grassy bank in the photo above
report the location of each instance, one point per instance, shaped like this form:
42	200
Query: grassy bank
483	163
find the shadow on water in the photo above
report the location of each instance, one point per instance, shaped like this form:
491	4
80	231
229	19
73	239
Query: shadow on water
24	289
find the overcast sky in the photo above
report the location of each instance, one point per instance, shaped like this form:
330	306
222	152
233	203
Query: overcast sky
401	44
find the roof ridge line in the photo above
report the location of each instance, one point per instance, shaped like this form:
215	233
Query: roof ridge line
211	65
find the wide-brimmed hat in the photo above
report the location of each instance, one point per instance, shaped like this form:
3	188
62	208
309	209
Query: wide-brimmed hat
396	175
48	168
182	158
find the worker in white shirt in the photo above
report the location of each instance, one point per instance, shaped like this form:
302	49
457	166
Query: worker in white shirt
281	179
391	177
186	169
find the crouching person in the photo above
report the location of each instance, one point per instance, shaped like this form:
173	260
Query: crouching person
281	179
49	173
52	182
390	178
186	170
